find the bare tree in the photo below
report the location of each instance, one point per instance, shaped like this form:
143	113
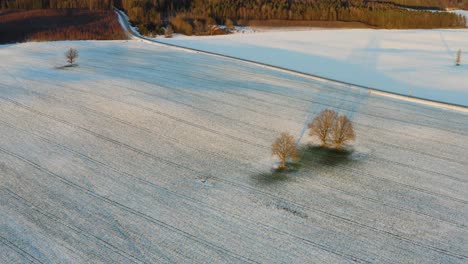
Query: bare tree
458	59
321	125
71	55
342	131
285	148
169	31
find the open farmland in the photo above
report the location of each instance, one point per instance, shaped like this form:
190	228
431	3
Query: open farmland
145	153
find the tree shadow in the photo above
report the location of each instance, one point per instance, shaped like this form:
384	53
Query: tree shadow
311	157
277	175
324	156
64	67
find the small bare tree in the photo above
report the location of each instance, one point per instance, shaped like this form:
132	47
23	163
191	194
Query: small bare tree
169	31
321	125
285	148
342	131
71	55
458	59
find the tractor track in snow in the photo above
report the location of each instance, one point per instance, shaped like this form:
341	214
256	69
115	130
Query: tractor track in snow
222	156
126	208
267	227
71	227
308	101
316	102
339	92
263	146
267	147
200	202
344	219
19	250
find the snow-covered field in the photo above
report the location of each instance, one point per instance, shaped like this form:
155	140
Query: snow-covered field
107	162
411	62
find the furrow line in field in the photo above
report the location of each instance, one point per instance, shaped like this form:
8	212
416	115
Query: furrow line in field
320	103
175	164
206	205
380	142
146	108
395	182
287	118
175	101
19	250
280	198
338	106
179	90
75	229
389	204
128	209
218	155
332	88
417	168
144	153
349	110
335	90
352	222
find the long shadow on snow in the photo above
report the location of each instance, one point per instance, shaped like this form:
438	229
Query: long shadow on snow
312	158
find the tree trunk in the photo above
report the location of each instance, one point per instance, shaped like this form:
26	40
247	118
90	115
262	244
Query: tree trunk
283	164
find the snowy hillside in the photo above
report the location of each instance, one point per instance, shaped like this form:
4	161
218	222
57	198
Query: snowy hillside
411	62
148	154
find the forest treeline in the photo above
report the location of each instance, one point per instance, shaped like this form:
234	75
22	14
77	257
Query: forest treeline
199	16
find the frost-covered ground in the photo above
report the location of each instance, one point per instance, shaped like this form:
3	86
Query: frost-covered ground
411	62
107	162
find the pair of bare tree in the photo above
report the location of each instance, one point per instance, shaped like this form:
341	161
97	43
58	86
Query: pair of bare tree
332	129
328	126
